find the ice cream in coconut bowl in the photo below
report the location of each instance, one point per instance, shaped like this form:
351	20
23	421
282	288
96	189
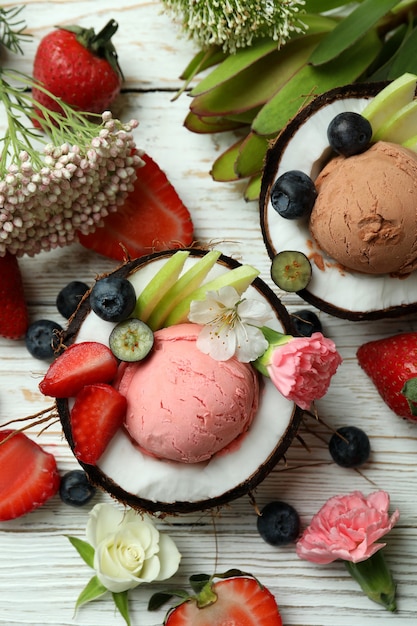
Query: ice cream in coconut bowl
180	383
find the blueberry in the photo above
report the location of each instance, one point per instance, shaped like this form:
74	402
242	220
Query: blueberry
42	339
306	323
349	446
75	488
113	298
69	297
278	523
293	195
349	133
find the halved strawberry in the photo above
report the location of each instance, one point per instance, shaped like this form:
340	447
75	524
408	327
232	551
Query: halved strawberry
28	475
152	218
13	310
81	364
391	364
98	412
238	600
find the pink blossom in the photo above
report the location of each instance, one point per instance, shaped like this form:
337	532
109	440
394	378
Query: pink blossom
347	527
302	368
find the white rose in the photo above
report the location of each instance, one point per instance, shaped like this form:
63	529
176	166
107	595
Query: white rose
129	550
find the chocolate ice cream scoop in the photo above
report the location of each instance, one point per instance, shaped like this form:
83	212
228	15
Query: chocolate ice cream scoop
365	215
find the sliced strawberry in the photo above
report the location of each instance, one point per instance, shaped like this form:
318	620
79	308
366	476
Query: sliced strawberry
152	218
13	309
81	364
28	475
391	364
238	600
98	412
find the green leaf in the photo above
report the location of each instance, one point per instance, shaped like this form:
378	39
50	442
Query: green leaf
203	125
320	6
84	549
311	81
349	31
122	604
160	598
202	61
223	169
258	83
251	155
406	58
198	582
93	590
253	188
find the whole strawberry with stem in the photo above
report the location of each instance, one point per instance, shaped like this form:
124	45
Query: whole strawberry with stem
237	599
78	66
391	364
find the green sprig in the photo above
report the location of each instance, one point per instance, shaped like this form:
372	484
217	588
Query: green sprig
12	29
69	126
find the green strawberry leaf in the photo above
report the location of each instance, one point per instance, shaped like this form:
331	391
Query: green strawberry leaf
158	599
410	392
122	604
93	590
311	81
350	29
84	549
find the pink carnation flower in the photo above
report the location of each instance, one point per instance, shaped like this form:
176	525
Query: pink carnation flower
347	527
302	368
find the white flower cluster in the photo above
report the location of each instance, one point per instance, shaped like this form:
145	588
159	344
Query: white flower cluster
42	208
235	24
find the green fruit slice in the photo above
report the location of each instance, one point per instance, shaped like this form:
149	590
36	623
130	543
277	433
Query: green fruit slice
240	278
389	101
400	126
186	284
131	340
158	285
291	270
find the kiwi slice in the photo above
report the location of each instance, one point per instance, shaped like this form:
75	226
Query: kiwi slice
131	340
291	270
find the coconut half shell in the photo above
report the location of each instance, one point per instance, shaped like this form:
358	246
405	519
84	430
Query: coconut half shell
159	486
303	145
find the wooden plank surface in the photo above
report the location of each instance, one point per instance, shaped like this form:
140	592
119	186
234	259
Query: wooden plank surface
41	575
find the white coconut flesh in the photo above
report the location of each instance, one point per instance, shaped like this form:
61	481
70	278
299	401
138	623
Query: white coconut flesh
342	293
167	482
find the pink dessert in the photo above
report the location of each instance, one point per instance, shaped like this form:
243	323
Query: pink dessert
182	404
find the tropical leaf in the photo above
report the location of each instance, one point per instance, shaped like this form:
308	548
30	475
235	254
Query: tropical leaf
203	60
205	125
256	84
223	169
405	60
350	30
320	6
253	188
311	81
251	155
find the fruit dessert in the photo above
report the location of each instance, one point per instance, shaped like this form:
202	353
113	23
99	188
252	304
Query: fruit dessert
343	209
166	411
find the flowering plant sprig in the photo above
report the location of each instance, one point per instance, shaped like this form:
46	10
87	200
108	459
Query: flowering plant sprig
52	188
235	24
301	368
126	550
349	527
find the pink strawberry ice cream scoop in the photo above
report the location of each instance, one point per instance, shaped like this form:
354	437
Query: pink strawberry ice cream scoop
183	405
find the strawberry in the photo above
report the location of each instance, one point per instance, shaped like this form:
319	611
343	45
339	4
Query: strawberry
81	364
13	311
78	66
152	218
98	412
238	599
28	475
391	363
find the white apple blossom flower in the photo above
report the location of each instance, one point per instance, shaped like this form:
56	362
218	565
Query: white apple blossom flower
129	549
230	325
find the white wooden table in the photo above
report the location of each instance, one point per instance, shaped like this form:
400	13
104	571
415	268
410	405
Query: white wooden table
41	575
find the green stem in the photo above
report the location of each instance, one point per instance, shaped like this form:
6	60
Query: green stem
374	577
